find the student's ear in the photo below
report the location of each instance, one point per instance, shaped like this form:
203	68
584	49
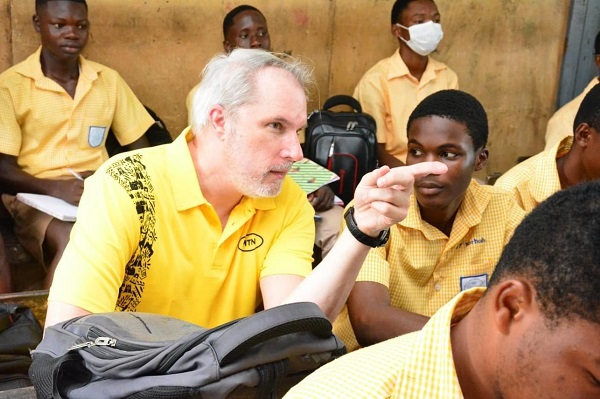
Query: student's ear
512	302
597	59
581	136
228	47
396	31
36	23
482	157
216	118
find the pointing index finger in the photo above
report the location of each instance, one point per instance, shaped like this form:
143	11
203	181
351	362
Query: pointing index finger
406	174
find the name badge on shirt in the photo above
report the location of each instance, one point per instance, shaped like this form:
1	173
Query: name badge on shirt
473	281
96	135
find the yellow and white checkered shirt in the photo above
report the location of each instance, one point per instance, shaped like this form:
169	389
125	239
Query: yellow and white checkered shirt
49	131
416	365
423	268
536	178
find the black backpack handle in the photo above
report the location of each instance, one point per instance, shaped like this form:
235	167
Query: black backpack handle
342	99
268	324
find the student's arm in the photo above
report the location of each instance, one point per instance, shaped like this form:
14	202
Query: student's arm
322	199
380	201
385	158
373	317
14	180
142	142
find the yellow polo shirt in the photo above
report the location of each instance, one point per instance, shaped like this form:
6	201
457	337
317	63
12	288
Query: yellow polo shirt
49	131
423	268
560	124
147	240
389	93
536	178
416	365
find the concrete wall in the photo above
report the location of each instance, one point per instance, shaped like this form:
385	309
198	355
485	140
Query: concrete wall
506	52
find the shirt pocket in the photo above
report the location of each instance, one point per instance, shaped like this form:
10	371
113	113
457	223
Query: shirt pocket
94	132
476	274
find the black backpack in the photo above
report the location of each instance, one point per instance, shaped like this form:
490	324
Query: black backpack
142	355
343	142
20	332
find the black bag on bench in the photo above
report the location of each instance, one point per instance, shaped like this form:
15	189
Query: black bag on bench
141	355
20	332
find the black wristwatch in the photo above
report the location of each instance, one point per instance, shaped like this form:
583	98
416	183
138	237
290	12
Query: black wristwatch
361	237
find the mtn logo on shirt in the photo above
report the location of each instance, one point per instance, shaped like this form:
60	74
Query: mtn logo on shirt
250	242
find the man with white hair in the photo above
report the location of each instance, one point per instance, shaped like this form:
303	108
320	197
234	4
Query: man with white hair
209	228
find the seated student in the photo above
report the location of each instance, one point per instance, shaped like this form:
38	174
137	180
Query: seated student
56	110
391	89
560	124
574	160
5	273
209	227
452	237
246	27
535	332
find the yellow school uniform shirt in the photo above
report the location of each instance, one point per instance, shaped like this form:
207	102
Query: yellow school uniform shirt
415	365
49	131
147	240
560	124
423	268
536	178
389	93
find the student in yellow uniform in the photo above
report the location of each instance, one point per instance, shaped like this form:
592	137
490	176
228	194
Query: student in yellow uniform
560	124
210	227
56	110
573	160
534	333
452	237
391	89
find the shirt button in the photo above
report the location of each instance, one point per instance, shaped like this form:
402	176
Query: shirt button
438	287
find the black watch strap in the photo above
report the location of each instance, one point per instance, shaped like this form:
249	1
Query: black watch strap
361	237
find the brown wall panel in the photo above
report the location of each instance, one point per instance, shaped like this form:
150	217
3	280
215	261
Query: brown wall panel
505	52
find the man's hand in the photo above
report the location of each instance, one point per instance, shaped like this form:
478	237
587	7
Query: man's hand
382	198
322	199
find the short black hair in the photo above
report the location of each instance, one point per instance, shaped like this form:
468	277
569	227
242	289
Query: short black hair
557	249
597	44
398	7
228	20
457	106
40	3
589	110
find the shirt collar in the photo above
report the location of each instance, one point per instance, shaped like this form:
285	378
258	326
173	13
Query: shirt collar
32	68
546	180
433	346
471	209
398	68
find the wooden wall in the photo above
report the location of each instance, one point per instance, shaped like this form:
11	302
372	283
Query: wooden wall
506	52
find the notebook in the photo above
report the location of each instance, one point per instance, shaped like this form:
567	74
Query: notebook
56	207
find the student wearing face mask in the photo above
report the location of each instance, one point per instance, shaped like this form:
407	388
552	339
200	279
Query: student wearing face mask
391	89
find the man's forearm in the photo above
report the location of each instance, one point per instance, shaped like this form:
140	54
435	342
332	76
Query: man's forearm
330	283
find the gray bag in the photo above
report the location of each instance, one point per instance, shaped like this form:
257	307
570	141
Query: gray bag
141	355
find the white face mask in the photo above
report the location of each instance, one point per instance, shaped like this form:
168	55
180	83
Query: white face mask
424	38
